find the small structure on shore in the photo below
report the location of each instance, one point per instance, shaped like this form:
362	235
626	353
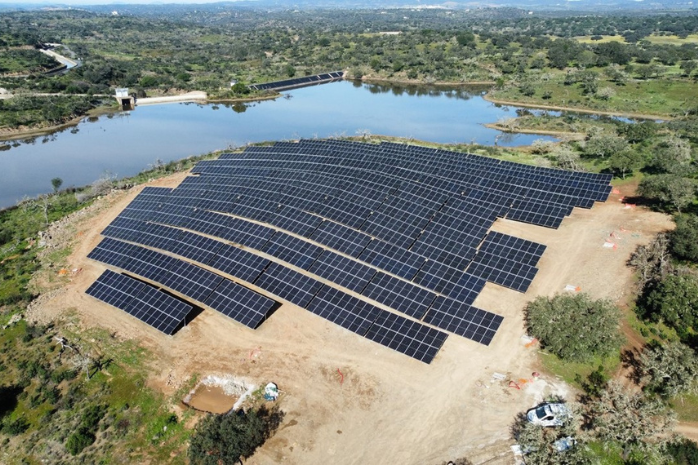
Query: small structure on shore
127	102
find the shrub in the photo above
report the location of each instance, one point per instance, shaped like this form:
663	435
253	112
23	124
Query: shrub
227	438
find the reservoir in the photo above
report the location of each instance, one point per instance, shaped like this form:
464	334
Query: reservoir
123	144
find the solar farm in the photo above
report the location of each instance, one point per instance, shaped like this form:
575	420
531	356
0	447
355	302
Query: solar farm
392	242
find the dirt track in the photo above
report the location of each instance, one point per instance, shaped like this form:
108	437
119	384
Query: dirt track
390	408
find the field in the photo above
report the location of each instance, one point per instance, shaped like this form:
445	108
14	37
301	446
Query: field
370	416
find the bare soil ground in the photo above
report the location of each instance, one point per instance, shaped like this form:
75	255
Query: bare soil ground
389	408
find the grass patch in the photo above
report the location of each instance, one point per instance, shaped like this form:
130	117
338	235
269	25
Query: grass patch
570	371
672	39
686	407
603	40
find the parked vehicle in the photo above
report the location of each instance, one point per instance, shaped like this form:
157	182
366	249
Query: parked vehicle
549	414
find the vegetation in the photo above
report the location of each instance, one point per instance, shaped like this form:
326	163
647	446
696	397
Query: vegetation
535	60
228	438
574	327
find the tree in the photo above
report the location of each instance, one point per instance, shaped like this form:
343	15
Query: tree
687	66
226	438
674	300
670	190
684	238
574	327
466	39
538	443
56	183
673	155
625	161
669	369
653	260
604	145
633	420
567	159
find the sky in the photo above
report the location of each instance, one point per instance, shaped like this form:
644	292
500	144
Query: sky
107	2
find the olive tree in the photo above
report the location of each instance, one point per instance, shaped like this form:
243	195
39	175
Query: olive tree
632	419
574	327
669	369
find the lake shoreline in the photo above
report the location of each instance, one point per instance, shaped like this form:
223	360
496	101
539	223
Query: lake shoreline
541	106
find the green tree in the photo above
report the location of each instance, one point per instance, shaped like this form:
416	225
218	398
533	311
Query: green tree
683	239
687	66
673	155
669	369
604	145
625	161
538	443
574	327
672	191
466	39
56	183
674	300
228	438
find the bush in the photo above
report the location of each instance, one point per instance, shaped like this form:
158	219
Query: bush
684	451
574	327
684	239
227	438
79	440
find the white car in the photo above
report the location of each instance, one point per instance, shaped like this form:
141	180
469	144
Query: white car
548	414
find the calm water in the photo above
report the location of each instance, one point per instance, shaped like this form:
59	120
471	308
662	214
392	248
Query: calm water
127	143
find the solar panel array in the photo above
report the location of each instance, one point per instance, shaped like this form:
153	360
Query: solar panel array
150	305
385	240
298	82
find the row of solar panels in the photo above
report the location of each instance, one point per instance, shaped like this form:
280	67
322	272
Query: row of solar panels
297	82
419	300
300	252
167	314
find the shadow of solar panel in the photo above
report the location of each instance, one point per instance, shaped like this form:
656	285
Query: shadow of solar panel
240	304
345	310
293	250
190	280
288	284
392	259
240	263
408	337
343	271
341	238
463	319
401	295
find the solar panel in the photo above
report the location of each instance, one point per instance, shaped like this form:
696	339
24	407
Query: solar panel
154	307
293	250
414	213
345	310
343	271
406	336
240	263
288	284
463	320
239	303
400	295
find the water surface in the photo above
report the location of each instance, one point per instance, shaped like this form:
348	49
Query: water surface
127	143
